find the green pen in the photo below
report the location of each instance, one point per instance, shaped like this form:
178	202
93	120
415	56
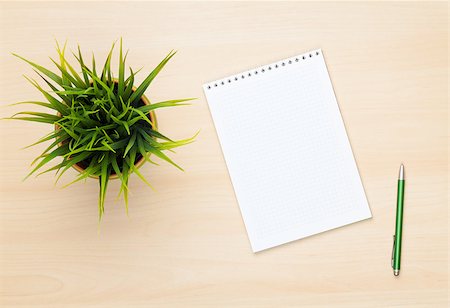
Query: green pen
397	248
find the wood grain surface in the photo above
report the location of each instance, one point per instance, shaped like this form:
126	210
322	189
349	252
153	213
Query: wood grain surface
185	244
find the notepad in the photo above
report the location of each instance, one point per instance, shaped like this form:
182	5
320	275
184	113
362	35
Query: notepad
286	150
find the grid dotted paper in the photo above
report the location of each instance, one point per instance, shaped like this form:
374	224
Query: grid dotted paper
286	150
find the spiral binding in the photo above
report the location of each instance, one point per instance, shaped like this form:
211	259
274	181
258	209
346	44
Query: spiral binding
262	70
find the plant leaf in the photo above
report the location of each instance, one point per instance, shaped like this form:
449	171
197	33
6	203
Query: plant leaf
51	146
65	98
174	144
67	75
32	119
156	134
121	84
129	87
55	134
65	64
171	103
136	96
48	116
103	180
141	148
72	161
43	104
43	70
106	72
135	170
57	152
57	104
162	156
130	144
82	65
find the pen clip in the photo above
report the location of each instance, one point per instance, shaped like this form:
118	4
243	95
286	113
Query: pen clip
392	257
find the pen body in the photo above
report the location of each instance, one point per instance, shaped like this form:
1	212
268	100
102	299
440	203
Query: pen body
398	225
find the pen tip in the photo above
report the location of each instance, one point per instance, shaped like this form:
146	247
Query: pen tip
401	175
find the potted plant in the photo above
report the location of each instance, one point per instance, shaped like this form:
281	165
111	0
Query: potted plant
104	127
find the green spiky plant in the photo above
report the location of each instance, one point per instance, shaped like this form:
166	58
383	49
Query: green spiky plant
104	127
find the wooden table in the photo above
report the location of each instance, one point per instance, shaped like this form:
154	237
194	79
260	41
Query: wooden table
185	244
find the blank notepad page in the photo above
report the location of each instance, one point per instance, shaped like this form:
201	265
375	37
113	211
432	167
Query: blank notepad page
286	149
